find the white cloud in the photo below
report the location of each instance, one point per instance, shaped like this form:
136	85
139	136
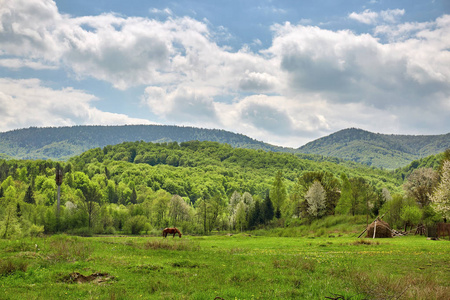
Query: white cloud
392	15
15	64
309	82
366	17
165	11
183	105
27	102
370	17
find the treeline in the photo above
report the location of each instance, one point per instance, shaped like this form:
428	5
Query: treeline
197	186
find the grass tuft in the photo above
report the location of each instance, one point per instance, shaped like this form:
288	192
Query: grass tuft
365	242
179	245
9	267
64	248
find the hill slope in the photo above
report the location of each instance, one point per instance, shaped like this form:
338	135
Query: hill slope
61	143
379	150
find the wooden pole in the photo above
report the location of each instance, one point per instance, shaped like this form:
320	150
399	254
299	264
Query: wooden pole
375	229
367	226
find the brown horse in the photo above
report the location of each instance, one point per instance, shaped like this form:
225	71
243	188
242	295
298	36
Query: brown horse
173	230
443	228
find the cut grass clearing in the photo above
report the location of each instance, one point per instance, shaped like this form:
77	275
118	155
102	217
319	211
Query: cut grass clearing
238	266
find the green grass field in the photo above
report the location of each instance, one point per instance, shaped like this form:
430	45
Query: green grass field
231	267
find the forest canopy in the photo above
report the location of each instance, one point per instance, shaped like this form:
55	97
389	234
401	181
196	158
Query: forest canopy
199	186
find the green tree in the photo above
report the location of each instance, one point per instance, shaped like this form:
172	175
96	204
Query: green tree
344	204
267	209
133	196
91	197
178	210
10	226
278	191
296	199
241	217
29	196
411	215
256	216
392	209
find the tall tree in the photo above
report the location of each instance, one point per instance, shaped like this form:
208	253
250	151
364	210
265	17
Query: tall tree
133	196
344	204
267	209
178	210
420	185
29	195
316	200
441	196
241	217
278	191
91	197
10	225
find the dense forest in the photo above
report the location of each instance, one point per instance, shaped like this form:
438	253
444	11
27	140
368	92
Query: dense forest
201	187
379	150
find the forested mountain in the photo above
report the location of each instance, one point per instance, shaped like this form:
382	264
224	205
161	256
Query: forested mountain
61	143
373	149
379	150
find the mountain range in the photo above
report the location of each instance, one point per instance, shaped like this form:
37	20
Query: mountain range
374	149
379	150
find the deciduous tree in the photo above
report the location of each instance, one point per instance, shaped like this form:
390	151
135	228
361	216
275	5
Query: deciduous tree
420	185
316	200
441	196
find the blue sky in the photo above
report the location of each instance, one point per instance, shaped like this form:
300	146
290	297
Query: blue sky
284	72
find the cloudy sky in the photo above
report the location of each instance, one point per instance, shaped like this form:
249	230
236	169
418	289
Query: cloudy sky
284	72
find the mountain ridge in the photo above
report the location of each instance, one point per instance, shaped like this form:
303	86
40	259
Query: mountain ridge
61	143
388	151
381	150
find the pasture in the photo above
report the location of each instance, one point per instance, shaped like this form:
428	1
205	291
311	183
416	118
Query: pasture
231	267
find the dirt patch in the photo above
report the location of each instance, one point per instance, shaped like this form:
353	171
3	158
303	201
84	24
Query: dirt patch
98	278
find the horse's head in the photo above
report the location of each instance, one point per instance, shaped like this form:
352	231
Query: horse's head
178	231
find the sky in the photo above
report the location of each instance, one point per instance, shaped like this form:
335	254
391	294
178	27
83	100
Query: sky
283	72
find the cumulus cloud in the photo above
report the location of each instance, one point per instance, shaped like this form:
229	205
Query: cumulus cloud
366	17
370	17
309	82
26	102
182	105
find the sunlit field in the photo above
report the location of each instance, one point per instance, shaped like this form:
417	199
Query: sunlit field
228	266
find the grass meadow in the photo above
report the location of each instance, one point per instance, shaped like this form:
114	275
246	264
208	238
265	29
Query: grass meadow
239	266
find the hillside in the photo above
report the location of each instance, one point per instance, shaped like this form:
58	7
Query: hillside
379	150
373	149
61	143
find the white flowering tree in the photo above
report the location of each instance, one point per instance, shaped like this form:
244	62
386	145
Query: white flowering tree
316	200
441	197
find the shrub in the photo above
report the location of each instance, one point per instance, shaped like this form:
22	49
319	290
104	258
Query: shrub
135	225
36	230
110	230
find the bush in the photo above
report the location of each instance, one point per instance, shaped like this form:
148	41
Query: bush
36	230
110	230
135	225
